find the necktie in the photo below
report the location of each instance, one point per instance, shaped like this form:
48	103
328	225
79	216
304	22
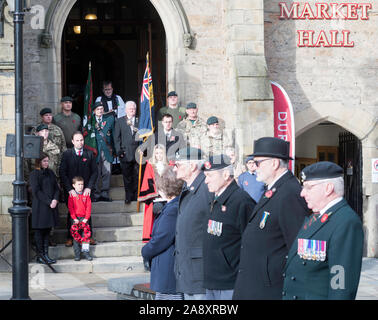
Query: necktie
79	153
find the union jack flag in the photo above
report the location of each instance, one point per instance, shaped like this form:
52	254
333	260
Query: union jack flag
146	122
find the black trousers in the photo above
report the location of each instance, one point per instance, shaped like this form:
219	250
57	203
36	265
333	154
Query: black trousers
41	238
130	178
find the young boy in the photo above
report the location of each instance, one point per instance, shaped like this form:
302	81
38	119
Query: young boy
80	207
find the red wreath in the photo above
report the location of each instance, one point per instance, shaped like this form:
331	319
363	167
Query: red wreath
75	232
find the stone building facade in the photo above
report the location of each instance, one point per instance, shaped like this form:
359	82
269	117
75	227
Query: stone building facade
222	54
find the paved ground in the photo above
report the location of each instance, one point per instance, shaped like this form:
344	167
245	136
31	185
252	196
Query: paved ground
94	286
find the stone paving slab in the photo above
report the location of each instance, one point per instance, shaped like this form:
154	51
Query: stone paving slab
107	286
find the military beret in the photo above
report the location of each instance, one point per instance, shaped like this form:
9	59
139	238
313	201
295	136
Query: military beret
217	162
97	104
188	153
191	105
212	120
321	170
172	94
42	126
250	157
66	98
44	111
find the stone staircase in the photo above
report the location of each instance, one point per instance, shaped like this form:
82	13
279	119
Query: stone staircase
117	228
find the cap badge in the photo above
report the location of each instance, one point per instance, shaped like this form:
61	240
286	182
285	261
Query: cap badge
303	176
207	165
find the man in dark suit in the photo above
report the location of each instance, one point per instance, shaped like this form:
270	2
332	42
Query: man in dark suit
77	162
273	225
126	143
228	217
325	260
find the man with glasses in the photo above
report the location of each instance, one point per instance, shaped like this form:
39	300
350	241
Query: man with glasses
194	207
325	260
273	225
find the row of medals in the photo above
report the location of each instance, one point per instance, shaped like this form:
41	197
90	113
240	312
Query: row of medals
312	249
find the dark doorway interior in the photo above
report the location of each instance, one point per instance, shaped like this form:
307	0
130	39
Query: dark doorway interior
116	43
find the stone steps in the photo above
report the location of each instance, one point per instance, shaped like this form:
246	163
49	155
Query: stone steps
106	234
118	219
104	207
97	265
101	250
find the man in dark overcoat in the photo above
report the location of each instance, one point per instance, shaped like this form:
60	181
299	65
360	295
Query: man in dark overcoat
228	217
325	260
273	225
126	143
77	161
194	206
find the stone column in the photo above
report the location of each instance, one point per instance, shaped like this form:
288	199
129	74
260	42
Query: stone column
251	91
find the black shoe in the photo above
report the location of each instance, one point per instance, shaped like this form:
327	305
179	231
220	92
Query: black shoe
87	255
106	199
48	259
127	201
77	258
39	259
96	199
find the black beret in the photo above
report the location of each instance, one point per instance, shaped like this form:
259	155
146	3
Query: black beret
321	170
216	162
42	126
172	94
97	104
44	111
189	153
191	105
250	157
66	98
272	148
212	120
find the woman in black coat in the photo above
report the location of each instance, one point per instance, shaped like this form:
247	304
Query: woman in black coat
160	249
45	191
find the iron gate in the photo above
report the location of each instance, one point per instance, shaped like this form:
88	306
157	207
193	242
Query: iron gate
350	158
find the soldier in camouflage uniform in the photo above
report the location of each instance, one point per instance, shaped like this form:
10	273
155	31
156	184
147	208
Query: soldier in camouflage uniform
192	127
56	134
50	148
215	140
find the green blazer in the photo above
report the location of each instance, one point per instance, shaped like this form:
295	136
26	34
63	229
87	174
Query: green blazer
105	132
336	277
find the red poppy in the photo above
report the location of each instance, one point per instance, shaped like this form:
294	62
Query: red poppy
268	194
324	218
85	159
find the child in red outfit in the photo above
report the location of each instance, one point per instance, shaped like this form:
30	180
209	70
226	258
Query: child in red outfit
80	207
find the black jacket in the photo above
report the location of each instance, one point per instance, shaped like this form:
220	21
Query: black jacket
125	141
44	189
83	166
263	250
228	217
194	208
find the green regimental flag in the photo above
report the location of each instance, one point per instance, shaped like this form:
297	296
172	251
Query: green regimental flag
88	119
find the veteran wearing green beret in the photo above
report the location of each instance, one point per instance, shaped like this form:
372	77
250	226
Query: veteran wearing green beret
324	262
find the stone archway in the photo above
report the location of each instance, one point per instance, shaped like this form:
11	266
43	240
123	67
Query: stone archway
364	126
176	27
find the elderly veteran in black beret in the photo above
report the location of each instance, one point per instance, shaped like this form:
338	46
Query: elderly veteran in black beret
273	225
194	208
325	260
229	215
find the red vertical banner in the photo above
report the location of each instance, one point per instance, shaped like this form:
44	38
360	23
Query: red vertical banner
284	119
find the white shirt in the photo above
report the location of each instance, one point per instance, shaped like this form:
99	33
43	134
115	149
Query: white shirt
121	111
330	204
77	151
270	185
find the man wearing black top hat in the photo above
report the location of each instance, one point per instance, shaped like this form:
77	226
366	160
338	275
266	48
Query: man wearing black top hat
324	262
273	225
229	215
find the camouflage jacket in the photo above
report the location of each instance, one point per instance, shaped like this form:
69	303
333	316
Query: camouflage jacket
212	145
193	133
56	135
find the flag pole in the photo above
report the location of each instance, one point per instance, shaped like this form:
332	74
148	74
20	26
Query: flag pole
139	178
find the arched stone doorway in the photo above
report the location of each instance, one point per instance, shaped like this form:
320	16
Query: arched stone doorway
178	40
